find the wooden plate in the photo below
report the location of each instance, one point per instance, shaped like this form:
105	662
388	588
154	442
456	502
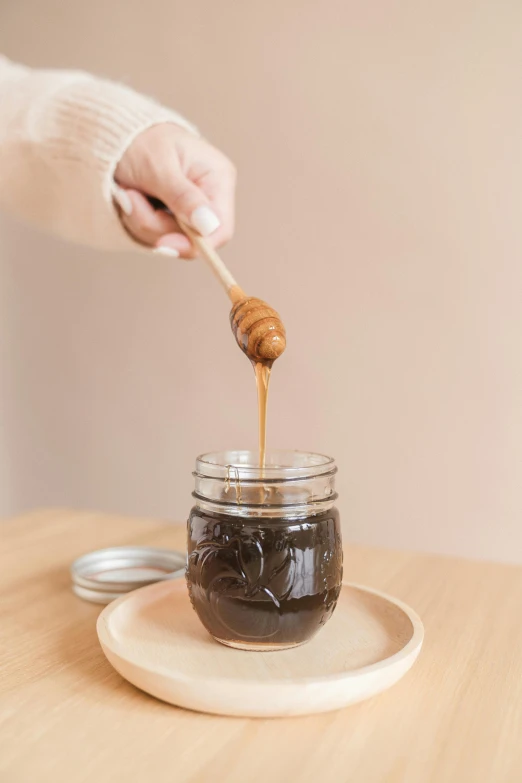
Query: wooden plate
154	639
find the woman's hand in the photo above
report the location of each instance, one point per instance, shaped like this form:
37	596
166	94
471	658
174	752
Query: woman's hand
194	180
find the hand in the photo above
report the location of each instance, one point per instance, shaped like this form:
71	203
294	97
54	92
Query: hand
192	178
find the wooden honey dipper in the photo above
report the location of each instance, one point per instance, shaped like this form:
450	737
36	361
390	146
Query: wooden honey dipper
257	327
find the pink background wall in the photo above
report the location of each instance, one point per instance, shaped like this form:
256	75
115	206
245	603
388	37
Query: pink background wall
379	147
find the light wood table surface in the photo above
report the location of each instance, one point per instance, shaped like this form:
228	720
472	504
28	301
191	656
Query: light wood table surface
66	715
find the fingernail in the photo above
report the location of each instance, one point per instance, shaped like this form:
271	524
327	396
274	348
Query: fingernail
204	220
123	200
163	250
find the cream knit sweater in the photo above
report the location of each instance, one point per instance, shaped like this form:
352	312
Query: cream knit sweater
62	134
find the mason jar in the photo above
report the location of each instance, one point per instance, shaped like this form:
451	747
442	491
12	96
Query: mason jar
265	557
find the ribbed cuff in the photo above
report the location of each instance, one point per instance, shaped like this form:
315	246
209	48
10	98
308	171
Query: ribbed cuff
96	121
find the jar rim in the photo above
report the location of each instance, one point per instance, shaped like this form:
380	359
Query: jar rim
280	465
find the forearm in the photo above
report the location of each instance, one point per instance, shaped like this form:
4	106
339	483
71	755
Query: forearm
62	134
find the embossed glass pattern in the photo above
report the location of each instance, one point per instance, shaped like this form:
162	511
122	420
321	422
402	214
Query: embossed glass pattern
265	557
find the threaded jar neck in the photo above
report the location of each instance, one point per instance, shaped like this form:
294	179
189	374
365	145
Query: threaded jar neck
292	484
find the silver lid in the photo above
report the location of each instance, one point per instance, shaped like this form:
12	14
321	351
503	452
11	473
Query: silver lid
106	574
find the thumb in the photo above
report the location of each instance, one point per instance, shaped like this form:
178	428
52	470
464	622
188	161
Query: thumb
189	204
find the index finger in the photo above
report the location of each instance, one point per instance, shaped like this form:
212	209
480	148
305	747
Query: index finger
219	187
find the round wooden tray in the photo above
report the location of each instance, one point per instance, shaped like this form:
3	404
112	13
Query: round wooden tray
154	639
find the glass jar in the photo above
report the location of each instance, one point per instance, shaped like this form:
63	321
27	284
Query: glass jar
264	547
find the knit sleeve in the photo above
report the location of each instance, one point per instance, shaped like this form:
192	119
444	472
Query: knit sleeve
62	134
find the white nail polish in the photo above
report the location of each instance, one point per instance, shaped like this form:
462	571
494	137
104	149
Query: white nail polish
205	221
123	201
162	250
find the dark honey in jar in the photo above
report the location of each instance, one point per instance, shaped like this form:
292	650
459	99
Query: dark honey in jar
264	548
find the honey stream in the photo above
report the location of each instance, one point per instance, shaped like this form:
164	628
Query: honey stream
262	371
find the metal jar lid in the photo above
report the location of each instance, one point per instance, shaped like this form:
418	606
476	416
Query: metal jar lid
104	575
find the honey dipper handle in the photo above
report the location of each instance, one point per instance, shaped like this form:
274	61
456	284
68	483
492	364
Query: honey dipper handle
215	262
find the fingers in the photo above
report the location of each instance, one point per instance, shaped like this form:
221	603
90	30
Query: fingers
171	242
220	187
201	195
147	225
189	203
191	177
